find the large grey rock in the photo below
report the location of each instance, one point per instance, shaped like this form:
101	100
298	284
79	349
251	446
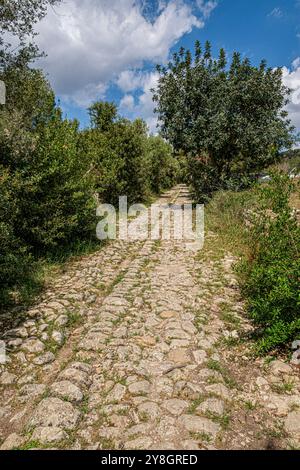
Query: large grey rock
200	356
66	390
139	388
279	367
18	333
48	435
55	412
179	356
58	337
149	409
62	320
33	346
218	389
7	378
116	394
76	376
31	391
281	404
177	334
14	343
140	443
93	342
81	366
44	359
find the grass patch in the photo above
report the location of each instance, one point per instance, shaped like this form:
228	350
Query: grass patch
282	388
217	367
249	405
223	419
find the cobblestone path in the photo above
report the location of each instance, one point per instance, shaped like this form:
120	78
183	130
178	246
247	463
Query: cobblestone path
138	347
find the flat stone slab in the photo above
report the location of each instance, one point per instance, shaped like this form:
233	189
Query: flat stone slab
149	409
44	359
76	376
179	356
93	342
212	405
7	378
218	389
55	412
33	346
139	388
116	394
175	406
31	391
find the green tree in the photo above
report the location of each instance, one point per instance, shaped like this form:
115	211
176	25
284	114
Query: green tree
229	120
102	115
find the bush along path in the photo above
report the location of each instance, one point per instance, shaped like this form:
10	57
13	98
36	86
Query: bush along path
142	346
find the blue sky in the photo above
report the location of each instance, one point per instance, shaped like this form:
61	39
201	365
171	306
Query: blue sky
107	49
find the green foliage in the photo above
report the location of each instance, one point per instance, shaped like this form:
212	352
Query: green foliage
128	140
51	173
15	262
164	167
270	275
29	94
102	115
228	119
56	195
17	20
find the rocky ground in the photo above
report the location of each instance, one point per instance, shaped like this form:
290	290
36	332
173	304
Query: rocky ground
143	345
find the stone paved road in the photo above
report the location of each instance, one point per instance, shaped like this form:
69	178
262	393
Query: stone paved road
131	349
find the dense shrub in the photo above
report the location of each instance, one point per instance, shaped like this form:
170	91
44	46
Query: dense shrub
270	276
124	159
164	168
52	173
229	118
128	140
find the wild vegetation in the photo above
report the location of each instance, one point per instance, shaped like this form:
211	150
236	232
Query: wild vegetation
259	227
221	124
52	173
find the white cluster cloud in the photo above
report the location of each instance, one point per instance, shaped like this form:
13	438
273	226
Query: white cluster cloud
291	78
89	43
